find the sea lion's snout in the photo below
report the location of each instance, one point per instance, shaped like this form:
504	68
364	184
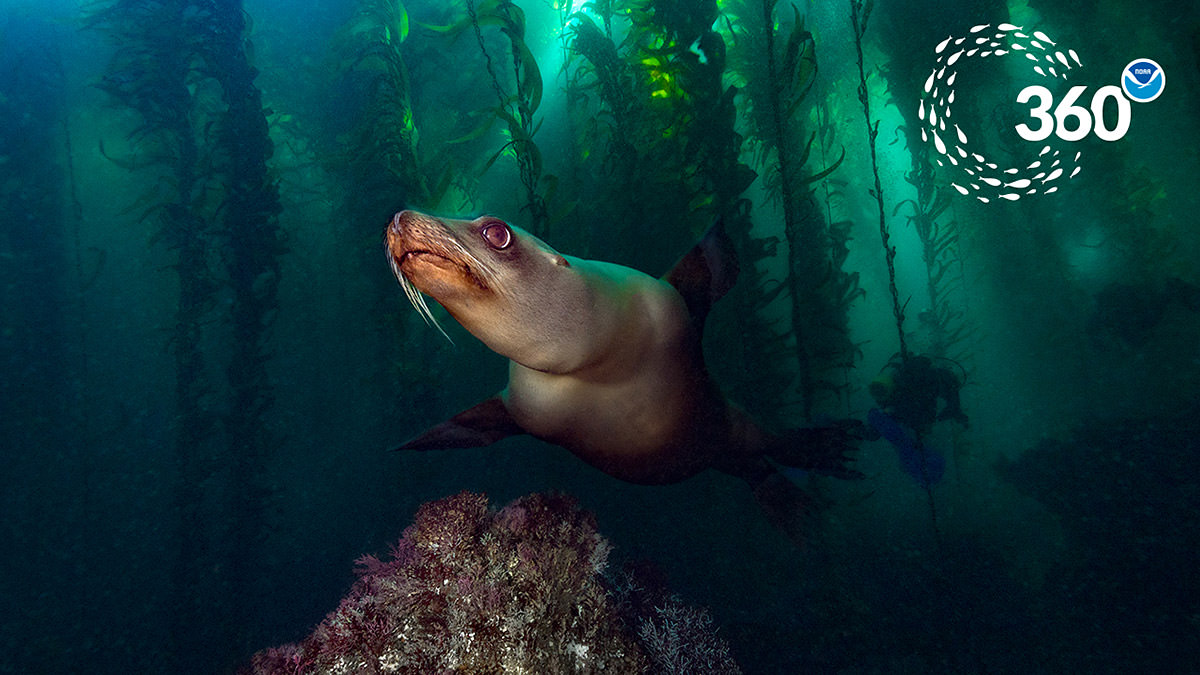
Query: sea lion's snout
392	241
432	255
422	256
397	221
412	234
399	235
401	221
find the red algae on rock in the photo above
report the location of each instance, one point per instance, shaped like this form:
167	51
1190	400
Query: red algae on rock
472	590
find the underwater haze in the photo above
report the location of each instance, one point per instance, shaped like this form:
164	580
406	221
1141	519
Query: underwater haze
970	226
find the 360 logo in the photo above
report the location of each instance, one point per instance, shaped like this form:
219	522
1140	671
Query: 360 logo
1085	121
1068	121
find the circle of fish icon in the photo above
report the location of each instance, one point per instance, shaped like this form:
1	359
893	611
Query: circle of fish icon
986	179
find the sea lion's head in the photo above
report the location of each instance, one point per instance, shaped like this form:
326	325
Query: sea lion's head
504	285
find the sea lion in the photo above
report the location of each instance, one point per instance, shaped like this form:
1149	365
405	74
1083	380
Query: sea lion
605	360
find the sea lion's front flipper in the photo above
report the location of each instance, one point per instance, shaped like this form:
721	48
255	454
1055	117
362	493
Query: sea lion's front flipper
825	450
706	273
474	427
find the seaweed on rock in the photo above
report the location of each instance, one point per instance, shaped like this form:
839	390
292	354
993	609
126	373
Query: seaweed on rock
469	589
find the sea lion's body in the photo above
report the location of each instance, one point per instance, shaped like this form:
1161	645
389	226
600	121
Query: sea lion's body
642	407
605	360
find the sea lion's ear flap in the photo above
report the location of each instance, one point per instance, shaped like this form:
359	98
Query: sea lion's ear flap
706	273
474	427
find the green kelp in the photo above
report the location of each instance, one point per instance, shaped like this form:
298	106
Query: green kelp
516	107
183	66
384	152
381	157
150	73
776	60
248	222
672	160
658	128
671	150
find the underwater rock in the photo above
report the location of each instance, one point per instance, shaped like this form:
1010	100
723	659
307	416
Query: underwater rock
1126	492
471	590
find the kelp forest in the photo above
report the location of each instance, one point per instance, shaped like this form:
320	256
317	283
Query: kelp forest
207	361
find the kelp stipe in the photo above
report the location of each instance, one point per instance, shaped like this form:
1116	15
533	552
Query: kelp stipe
944	326
149	73
376	153
183	67
515	109
248	221
385	153
860	12
777	61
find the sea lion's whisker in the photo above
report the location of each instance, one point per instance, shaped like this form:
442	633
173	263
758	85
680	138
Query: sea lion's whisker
417	299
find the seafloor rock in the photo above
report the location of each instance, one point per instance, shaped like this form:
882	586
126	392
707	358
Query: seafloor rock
522	590
1126	492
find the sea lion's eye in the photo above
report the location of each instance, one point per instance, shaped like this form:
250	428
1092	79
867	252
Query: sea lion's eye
497	235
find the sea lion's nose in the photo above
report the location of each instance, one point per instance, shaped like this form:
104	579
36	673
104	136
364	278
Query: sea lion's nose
393	236
398	221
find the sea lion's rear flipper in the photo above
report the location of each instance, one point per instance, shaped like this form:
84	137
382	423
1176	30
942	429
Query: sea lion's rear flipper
706	273
825	450
474	427
789	507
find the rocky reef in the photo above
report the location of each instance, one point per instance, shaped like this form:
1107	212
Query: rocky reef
521	590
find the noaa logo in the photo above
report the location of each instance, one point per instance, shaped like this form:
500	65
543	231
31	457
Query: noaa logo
1143	80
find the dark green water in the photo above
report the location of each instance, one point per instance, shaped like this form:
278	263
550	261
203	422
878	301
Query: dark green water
205	358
